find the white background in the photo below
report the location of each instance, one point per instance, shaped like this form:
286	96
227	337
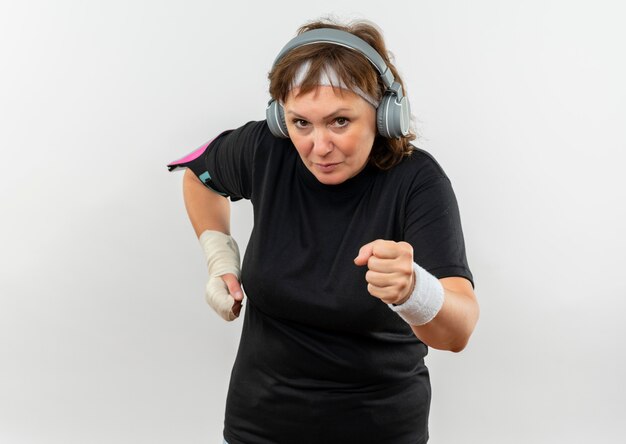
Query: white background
104	333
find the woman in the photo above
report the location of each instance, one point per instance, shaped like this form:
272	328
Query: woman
356	262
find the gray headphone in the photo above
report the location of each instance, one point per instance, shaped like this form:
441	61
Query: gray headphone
393	112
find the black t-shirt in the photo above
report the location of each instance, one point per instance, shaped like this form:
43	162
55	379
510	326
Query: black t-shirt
320	359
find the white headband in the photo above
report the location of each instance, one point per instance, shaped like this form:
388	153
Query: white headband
329	77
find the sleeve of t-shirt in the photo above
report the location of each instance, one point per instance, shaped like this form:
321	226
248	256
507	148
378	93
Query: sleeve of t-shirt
433	227
226	163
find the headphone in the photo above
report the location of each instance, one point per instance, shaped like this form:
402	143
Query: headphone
393	112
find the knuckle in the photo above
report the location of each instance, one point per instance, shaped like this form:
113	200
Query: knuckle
407	248
407	268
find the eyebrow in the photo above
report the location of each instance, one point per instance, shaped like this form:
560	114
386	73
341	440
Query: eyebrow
337	111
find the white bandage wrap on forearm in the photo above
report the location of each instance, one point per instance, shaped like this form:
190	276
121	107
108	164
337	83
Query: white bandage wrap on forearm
222	255
425	301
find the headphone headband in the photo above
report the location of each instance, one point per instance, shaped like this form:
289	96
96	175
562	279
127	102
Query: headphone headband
341	38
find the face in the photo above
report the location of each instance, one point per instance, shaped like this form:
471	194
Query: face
333	131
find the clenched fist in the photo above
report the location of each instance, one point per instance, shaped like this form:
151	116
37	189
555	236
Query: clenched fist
390	275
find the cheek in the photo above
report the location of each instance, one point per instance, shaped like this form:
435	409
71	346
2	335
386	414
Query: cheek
362	139
362	144
302	145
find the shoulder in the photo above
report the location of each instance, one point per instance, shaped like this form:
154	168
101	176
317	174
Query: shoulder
254	134
418	169
250	132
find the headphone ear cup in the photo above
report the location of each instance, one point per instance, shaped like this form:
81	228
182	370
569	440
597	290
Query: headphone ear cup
382	117
275	116
393	117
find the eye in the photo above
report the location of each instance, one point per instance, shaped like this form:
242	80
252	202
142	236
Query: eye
341	122
300	123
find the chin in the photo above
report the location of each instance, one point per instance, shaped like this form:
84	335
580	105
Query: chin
334	178
331	179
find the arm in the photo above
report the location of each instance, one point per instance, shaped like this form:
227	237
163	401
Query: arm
208	210
390	277
455	322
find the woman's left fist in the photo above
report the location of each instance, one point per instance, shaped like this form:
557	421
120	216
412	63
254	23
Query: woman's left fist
390	275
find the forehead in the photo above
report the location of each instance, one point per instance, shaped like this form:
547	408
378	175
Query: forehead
323	95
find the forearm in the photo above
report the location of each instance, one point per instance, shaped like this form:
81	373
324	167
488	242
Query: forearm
206	209
454	323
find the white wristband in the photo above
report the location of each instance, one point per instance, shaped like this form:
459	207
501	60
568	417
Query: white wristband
425	301
222	255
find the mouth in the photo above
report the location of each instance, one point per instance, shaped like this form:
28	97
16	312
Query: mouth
327	167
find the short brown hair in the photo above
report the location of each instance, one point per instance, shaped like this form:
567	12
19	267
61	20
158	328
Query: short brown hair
352	68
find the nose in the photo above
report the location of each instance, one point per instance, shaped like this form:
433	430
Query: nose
322	143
